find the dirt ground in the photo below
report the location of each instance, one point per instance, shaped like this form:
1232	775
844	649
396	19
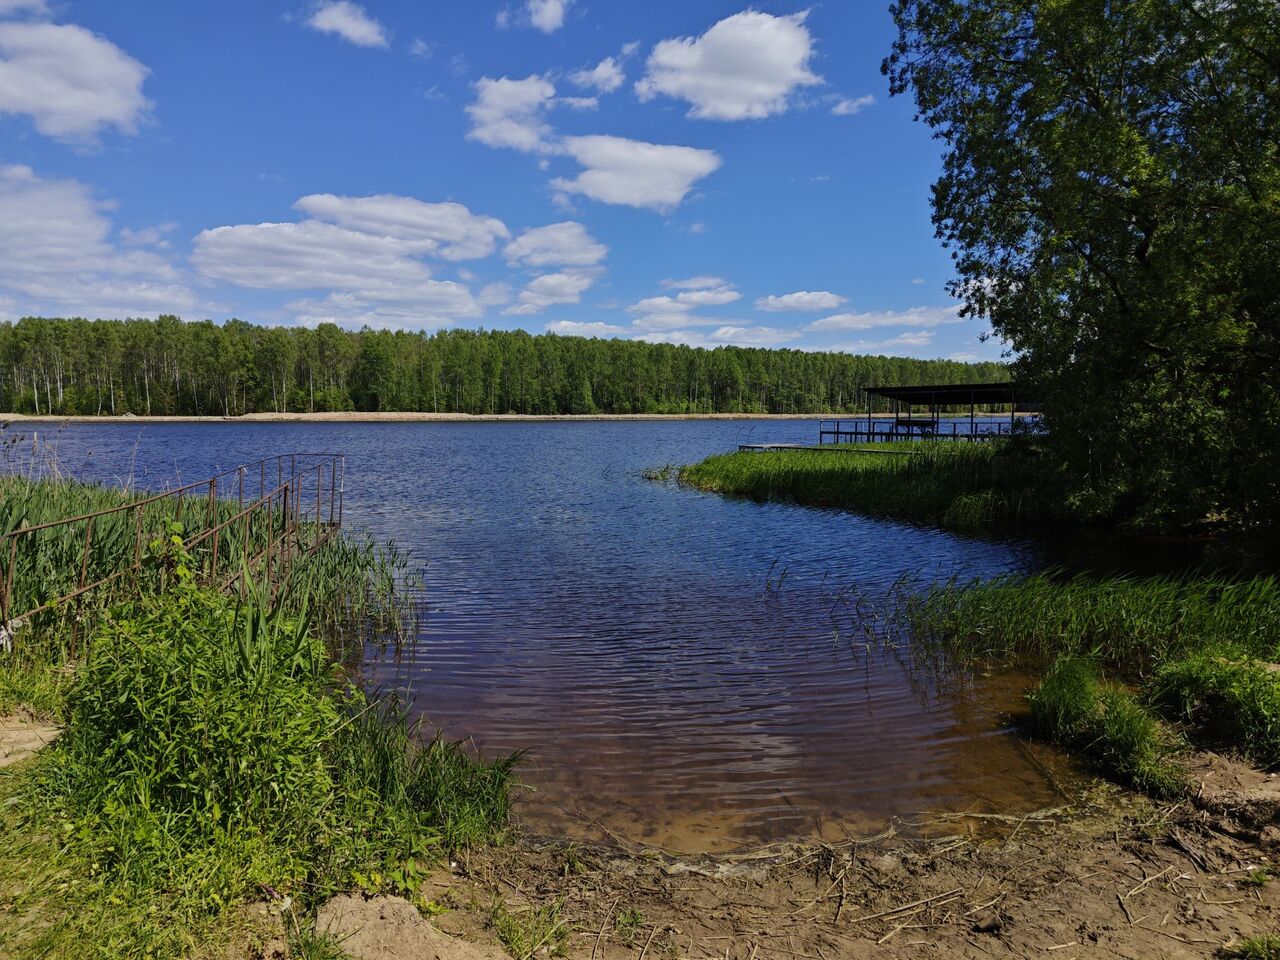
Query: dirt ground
20	738
1108	874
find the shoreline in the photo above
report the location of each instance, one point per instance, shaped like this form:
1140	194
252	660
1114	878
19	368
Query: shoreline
350	416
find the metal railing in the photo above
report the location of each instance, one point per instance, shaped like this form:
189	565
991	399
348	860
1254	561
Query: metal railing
257	518
888	430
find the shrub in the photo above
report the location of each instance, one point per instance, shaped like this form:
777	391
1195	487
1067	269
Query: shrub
1075	707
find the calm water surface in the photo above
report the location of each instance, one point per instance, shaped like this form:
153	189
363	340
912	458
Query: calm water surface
677	664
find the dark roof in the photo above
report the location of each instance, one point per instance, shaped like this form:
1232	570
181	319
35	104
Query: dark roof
956	393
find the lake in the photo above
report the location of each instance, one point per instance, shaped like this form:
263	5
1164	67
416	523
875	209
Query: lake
680	667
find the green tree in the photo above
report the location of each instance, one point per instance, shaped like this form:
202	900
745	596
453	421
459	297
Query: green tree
1111	194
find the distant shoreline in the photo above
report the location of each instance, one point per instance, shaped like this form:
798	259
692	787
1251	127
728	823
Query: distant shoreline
414	417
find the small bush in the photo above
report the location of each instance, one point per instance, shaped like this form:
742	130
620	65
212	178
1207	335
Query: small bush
213	752
1073	706
1234	698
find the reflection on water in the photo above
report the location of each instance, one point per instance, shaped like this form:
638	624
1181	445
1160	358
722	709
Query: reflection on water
669	658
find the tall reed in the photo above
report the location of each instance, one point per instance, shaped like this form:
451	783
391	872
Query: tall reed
953	484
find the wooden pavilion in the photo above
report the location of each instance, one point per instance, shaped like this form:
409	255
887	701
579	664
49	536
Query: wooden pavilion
917	411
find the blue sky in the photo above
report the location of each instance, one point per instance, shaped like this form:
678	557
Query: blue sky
687	170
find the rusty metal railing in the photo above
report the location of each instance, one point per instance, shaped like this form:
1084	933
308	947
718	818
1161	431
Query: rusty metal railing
257	518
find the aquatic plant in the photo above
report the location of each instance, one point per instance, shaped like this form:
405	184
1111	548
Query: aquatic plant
958	485
1074	706
1131	623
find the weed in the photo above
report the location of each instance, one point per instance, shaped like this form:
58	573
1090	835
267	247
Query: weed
573	864
1266	947
1133	624
1075	707
528	930
627	924
1259	877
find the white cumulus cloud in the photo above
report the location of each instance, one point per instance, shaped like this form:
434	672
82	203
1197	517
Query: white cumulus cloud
605	77
696	283
566	244
547	15
350	21
800	300
744	67
849	108
447	230
363	257
550	289
56	256
633	173
69	81
10	7
512	113
572	328
307	255
727	335
913	317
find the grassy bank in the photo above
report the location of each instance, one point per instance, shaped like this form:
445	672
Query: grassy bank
950	484
1133	666
215	754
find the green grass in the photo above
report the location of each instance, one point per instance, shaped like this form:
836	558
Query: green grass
1231	697
1132	624
626	925
1196	649
530	931
215	753
958	485
1074	706
1255	948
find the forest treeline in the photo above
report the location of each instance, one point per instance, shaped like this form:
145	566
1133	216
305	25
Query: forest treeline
170	367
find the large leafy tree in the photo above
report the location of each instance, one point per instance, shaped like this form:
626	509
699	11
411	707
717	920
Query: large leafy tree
1111	194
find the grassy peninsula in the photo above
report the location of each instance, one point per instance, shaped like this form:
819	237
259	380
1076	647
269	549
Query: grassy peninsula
950	484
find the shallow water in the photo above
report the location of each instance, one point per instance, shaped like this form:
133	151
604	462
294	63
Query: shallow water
679	666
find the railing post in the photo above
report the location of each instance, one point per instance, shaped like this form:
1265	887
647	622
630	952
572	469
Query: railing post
84	557
6	594
333	486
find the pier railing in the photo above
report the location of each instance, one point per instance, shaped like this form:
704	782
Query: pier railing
257	519
888	430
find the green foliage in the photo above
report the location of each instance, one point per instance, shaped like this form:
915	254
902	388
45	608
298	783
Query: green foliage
35	684
626	925
1266	947
212	752
1232	697
528	931
1073	706
1111	194
957	485
111	367
1131	623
